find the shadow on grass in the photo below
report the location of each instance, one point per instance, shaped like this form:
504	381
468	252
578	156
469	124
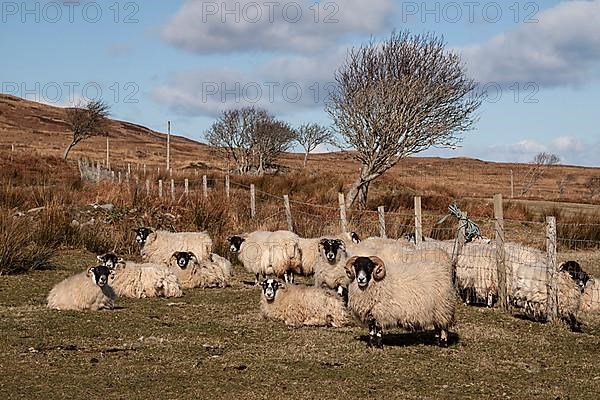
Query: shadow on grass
412	339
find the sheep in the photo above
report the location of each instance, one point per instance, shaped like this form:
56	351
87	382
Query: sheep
300	306
414	293
223	263
193	273
158	246
310	250
268	253
130	279
530	293
87	290
574	269
590	302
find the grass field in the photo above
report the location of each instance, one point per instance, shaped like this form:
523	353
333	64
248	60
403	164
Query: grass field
214	344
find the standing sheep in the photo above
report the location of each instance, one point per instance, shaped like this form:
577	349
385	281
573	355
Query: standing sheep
268	253
158	246
300	306
193	273
310	250
330	269
85	291
415	293
139	281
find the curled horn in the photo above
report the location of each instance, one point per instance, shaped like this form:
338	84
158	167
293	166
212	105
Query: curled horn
379	271
350	268
341	244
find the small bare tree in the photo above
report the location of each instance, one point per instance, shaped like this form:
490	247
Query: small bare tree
593	185
86	121
251	137
310	136
398	98
272	137
539	165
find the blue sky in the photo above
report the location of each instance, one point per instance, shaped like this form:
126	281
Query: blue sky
155	61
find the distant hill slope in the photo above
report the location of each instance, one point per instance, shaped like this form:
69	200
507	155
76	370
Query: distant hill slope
41	129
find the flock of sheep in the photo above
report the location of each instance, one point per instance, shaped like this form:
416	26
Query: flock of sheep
383	283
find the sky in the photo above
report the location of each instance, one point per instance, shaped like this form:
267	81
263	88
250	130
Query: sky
187	61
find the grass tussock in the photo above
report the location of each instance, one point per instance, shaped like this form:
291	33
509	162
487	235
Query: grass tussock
20	250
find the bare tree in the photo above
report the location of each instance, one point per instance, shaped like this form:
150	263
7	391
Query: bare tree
398	98
539	165
593	185
86	121
272	137
309	136
251	137
233	132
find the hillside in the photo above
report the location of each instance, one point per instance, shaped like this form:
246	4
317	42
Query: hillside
40	128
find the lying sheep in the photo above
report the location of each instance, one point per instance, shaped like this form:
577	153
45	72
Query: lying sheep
414	293
158	246
193	273
268	253
133	280
300	306
88	290
222	263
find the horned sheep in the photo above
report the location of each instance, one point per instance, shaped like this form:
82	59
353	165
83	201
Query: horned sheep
158	246
87	290
298	306
414	293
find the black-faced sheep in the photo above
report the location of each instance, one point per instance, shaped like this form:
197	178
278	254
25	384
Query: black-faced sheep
158	246
193	273
300	306
88	290
414	293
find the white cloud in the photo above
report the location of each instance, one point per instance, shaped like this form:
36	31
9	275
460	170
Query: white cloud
244	25
561	49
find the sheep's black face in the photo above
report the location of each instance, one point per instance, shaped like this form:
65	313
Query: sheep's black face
141	234
110	260
410	237
235	243
363	268
270	287
354	237
100	275
183	259
577	273
331	247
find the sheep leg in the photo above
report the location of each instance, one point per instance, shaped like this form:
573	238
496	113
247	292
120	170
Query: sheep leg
372	331
574	325
490	299
442	337
256	280
378	336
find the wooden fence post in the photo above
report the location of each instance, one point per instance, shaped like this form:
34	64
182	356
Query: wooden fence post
119	177
98	172
500	256
227	186
458	246
147	187
172	189
186	187
144	169
418	221
342	204
252	201
288	213
381	213
551	269
204	187
160	188
112	174
128	168
512	185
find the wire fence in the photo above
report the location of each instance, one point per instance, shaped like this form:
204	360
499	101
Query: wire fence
519	267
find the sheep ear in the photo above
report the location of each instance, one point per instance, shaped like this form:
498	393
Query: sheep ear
342	244
322	243
350	268
90	272
379	272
